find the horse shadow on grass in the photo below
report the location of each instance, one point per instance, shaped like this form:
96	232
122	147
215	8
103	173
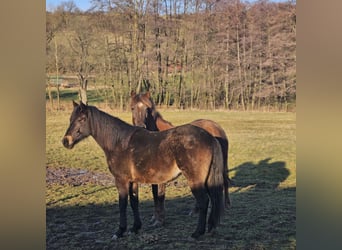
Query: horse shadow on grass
262	216
263	213
91	226
263	175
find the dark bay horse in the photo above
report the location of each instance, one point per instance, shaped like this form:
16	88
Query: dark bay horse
144	114
136	155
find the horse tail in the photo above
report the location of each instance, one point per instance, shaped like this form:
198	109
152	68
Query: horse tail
226	180
215	182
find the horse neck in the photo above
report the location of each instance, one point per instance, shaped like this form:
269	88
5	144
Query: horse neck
108	131
161	123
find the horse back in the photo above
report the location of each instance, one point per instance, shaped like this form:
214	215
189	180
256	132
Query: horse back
160	156
216	131
212	127
192	148
151	160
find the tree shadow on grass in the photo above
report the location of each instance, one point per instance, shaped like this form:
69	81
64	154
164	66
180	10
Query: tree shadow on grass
262	216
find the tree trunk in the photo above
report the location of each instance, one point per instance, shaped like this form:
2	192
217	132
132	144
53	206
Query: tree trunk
260	82
160	91
226	80
239	69
57	74
83	88
49	93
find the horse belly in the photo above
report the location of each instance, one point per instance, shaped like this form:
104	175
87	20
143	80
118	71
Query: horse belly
156	174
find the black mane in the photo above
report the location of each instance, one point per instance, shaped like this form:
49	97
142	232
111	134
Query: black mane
109	130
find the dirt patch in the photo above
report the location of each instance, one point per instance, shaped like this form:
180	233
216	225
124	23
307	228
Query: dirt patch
77	177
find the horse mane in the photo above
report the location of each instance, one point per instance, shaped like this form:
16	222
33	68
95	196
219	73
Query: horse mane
109	130
158	117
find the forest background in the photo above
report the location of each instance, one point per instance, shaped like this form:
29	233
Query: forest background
190	54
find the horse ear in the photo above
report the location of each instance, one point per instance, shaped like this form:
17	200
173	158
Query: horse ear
74	104
83	106
147	94
132	93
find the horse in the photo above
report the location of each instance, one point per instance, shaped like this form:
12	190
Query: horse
136	155
144	114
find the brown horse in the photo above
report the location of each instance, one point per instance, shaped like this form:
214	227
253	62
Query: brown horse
144	114
136	155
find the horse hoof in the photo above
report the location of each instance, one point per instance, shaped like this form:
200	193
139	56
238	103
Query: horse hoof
120	233
156	223
193	212
116	236
134	229
153	219
196	235
192	239
212	231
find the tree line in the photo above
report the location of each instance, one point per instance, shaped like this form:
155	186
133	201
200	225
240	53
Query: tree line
201	54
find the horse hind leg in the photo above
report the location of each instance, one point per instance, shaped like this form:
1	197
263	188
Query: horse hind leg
202	202
158	192
134	201
194	210
226	184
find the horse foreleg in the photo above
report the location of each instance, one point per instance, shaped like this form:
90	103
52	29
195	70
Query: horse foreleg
134	201
158	192
202	202
161	203
195	210
123	200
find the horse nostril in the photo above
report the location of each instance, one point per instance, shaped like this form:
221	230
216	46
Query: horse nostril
65	142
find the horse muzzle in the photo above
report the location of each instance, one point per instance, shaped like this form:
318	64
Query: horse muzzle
68	142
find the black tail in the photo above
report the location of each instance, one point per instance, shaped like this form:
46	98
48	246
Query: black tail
226	181
215	187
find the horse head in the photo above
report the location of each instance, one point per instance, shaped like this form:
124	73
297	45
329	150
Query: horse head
79	127
143	110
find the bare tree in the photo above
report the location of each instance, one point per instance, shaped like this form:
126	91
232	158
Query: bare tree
80	40
197	54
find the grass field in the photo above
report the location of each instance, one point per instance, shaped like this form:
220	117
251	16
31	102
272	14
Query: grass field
262	164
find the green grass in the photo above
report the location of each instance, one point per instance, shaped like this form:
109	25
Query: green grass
262	163
72	94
